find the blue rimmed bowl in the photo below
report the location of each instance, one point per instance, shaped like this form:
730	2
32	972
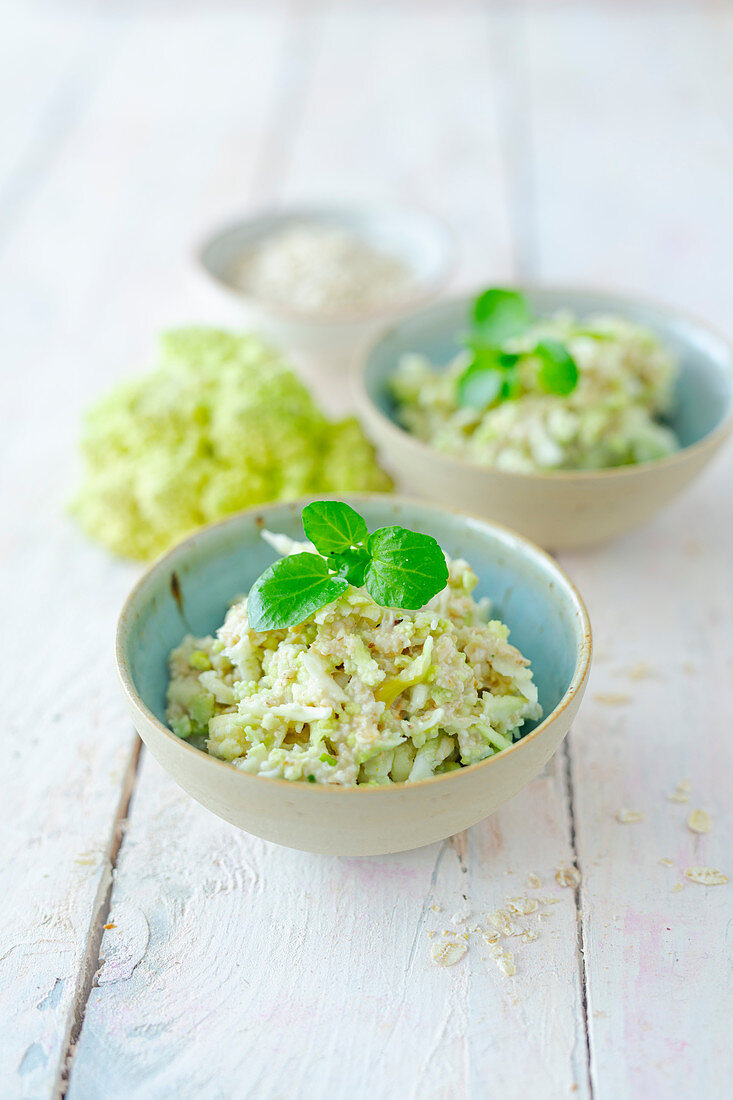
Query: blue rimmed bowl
189	590
564	508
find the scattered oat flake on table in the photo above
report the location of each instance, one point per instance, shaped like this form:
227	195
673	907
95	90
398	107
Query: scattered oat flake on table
628	817
533	881
567	876
529	934
706	876
491	937
681	793
699	822
523	906
612	698
641	671
505	962
461	917
677	887
436	908
501	919
667	862
447	954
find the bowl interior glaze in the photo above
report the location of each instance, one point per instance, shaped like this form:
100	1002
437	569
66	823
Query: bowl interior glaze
704	390
190	589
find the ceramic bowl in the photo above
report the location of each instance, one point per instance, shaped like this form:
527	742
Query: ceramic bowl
189	589
421	240
564	508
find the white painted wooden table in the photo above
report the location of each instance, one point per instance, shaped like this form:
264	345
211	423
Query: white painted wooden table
147	949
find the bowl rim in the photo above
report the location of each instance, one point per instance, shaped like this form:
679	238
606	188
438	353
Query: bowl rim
584	650
425	290
368	408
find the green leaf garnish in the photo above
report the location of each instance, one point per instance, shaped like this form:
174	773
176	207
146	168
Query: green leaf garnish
492	375
558	371
333	526
406	569
400	568
498	315
291	590
480	388
350	564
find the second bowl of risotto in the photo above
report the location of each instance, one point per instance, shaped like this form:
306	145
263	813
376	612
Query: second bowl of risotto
569	415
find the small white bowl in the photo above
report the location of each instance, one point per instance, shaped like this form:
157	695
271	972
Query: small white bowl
424	243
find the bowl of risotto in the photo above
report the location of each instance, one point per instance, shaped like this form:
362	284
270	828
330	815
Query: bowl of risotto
569	415
371	715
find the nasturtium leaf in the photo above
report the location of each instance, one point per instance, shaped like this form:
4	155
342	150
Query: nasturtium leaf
490	376
291	590
333	526
498	315
406	569
558	371
350	564
479	388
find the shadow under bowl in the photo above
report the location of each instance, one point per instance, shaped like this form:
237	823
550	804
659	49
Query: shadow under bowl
189	590
565	508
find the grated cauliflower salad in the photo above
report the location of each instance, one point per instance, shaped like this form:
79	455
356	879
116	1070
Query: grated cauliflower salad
626	379
358	693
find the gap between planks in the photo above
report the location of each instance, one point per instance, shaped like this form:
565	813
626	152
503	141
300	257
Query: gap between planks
91	961
567	759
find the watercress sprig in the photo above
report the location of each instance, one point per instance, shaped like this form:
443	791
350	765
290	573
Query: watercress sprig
399	568
492	375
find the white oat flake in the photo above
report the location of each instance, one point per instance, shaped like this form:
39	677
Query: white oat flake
628	817
505	962
567	876
681	793
523	906
706	876
533	881
448	953
640	671
699	822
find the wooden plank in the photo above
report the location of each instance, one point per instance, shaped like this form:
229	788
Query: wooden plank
632	163
96	256
631	150
48	63
421	125
301	975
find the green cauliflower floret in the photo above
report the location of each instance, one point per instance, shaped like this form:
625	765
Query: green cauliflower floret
221	423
